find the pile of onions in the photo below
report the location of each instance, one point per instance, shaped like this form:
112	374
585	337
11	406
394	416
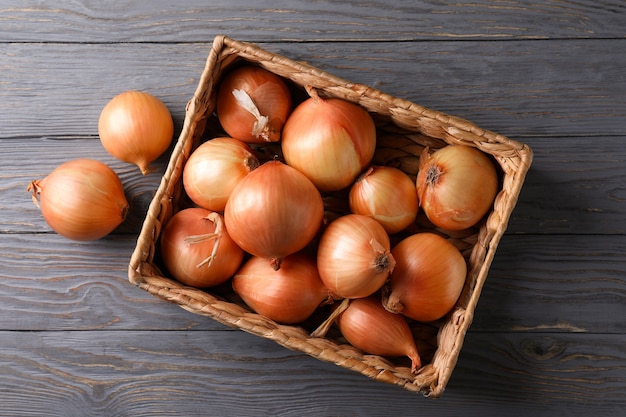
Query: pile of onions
289	295
366	325
456	186
329	140
82	199
273	212
136	127
197	250
214	169
253	104
428	277
353	256
387	195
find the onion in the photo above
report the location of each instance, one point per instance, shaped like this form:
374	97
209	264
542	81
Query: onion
214	169
289	295
82	199
456	186
367	326
353	256
253	104
136	127
428	277
330	140
387	195
274	211
197	250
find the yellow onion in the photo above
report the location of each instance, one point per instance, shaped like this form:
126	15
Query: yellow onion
197	250
288	295
274	211
428	277
386	194
82	199
136	127
353	256
253	104
367	326
214	169
329	140
456	186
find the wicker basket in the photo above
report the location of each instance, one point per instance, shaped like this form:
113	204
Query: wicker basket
404	129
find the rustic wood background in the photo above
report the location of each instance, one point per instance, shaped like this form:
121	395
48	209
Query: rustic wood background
548	338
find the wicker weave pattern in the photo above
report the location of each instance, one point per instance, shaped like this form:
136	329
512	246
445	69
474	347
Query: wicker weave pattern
408	129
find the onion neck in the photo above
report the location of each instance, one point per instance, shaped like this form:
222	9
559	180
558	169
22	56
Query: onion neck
391	300
275	263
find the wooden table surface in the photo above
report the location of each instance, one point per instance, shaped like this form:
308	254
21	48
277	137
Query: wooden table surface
548	337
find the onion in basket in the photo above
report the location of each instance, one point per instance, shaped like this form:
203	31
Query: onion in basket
197	250
353	256
456	186
253	104
366	325
387	195
214	169
288	295
428	277
330	140
274	211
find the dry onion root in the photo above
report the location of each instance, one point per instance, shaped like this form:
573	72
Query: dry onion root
82	199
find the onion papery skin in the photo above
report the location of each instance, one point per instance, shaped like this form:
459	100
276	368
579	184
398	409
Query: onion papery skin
186	247
269	93
387	195
428	278
367	326
214	169
136	127
274	211
330	140
82	199
456	186
288	295
353	256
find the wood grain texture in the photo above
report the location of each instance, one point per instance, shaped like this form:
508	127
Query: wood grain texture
521	89
96	373
548	336
288	20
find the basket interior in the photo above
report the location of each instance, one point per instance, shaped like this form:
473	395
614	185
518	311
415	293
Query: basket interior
404	129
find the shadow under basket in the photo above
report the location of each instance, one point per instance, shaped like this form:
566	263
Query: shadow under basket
404	129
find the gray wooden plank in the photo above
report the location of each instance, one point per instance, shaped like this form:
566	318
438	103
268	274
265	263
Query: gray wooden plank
97	373
48	283
556	283
520	89
197	21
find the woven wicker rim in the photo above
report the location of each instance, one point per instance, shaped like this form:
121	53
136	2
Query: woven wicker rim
513	157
